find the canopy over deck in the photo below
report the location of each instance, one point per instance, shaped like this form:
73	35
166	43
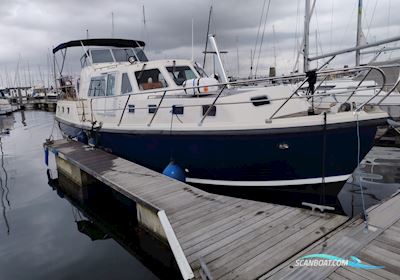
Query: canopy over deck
119	43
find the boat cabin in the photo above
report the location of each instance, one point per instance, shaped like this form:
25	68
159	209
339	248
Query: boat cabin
118	66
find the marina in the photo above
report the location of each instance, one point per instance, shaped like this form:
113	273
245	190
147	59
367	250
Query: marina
213	231
209	141
207	231
218	218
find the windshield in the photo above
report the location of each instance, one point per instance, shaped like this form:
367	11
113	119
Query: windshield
122	55
181	74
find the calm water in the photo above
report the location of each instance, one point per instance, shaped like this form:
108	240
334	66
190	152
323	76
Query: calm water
39	236
47	233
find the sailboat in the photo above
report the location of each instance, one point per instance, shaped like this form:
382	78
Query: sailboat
385	76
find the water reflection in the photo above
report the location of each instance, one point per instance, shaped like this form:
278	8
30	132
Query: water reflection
100	214
379	177
23	118
44	240
6	124
4	190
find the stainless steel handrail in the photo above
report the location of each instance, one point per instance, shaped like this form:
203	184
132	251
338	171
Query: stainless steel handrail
223	86
155	112
287	100
212	105
359	84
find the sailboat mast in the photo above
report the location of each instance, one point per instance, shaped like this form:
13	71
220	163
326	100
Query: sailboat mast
208	32
359	31
274	45
112	24
306	36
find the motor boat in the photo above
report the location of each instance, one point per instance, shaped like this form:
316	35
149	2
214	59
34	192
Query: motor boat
219	133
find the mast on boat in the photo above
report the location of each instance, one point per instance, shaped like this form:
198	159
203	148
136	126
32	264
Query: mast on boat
359	31
306	36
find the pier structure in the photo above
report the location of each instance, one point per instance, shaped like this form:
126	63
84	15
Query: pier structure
219	237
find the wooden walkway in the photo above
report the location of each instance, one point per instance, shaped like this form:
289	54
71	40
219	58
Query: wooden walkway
379	246
219	236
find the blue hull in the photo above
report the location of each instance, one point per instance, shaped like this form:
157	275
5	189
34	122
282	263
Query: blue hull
257	156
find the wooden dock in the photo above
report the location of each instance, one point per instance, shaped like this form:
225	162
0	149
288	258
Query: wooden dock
211	236
379	246
40	104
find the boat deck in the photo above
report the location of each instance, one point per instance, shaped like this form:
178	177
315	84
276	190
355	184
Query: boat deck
221	237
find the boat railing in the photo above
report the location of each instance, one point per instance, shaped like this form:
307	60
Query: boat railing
302	78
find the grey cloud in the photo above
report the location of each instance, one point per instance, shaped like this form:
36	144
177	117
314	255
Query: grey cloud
31	27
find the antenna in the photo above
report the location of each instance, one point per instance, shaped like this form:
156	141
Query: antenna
17	72
359	31
208	31
192	39
306	36
144	24
251	63
112	24
29	73
25	80
274	45
237	56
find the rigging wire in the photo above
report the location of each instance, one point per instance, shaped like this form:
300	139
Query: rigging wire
371	20
258	34
388	21
262	36
348	24
331	27
296	34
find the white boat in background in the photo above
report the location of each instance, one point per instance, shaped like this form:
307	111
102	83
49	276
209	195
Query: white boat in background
5	106
219	133
343	90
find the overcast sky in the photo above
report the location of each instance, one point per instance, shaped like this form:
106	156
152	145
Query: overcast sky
30	28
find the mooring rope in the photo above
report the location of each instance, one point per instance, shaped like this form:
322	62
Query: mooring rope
358	168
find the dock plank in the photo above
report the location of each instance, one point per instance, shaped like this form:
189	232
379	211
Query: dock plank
268	256
377	246
228	233
241	220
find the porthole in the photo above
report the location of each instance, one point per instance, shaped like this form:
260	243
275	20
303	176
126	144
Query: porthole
131	108
177	110
152	108
260	100
212	112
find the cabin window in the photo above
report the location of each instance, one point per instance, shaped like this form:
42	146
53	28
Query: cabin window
140	54
212	112
152	108
131	108
177	110
181	73
97	86
110	84
260	100
126	86
150	79
122	55
101	56
200	70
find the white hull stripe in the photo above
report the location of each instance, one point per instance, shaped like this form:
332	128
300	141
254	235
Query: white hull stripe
297	182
